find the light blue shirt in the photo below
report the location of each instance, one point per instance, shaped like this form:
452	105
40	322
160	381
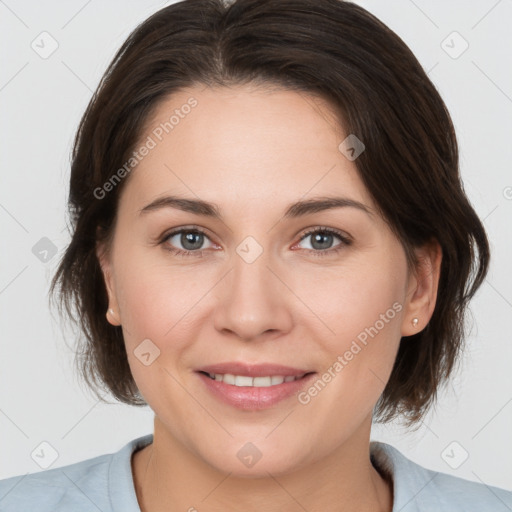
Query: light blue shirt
105	483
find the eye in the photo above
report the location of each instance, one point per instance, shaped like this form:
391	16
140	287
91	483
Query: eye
322	240
190	239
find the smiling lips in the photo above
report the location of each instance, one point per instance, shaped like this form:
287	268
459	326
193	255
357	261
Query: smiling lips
253	387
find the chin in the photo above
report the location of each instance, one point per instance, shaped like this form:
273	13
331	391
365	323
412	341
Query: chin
249	461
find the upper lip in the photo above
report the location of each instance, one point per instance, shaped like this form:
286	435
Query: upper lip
253	370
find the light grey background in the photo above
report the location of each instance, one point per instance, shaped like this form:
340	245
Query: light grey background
41	102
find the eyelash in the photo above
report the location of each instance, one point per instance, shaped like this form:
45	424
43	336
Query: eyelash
317	253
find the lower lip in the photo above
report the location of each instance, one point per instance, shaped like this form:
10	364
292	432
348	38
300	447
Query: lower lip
253	398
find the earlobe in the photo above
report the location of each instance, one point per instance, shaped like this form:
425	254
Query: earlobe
422	289
105	265
112	317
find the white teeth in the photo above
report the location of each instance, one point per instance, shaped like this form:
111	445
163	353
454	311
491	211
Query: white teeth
241	380
262	382
257	382
229	379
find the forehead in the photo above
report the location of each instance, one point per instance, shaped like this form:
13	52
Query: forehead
239	144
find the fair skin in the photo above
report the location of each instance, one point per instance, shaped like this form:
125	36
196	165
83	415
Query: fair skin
253	152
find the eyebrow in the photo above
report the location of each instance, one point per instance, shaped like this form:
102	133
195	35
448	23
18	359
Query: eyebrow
295	210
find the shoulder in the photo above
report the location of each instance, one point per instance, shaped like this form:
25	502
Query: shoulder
420	489
92	484
71	487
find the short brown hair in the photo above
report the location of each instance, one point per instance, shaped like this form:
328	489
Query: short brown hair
331	48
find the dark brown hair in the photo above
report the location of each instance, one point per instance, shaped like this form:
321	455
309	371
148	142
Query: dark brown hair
329	48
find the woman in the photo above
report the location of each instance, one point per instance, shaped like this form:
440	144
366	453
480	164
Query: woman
271	249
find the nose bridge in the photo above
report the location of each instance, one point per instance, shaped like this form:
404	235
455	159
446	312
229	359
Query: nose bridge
253	300
251	274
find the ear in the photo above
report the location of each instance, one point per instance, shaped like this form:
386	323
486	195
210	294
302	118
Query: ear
422	288
103	256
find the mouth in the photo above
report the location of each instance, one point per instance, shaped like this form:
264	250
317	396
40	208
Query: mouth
253	387
264	381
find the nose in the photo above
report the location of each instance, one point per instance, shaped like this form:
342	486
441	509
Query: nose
254	302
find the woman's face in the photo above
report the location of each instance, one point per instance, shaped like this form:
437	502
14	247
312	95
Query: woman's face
255	288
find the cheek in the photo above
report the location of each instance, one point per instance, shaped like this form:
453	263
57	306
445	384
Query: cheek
360	310
166	305
364	311
349	300
159	302
156	305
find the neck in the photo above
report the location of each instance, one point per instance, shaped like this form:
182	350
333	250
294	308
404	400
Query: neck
168	476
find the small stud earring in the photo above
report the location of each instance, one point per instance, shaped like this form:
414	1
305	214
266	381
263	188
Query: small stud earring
415	322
